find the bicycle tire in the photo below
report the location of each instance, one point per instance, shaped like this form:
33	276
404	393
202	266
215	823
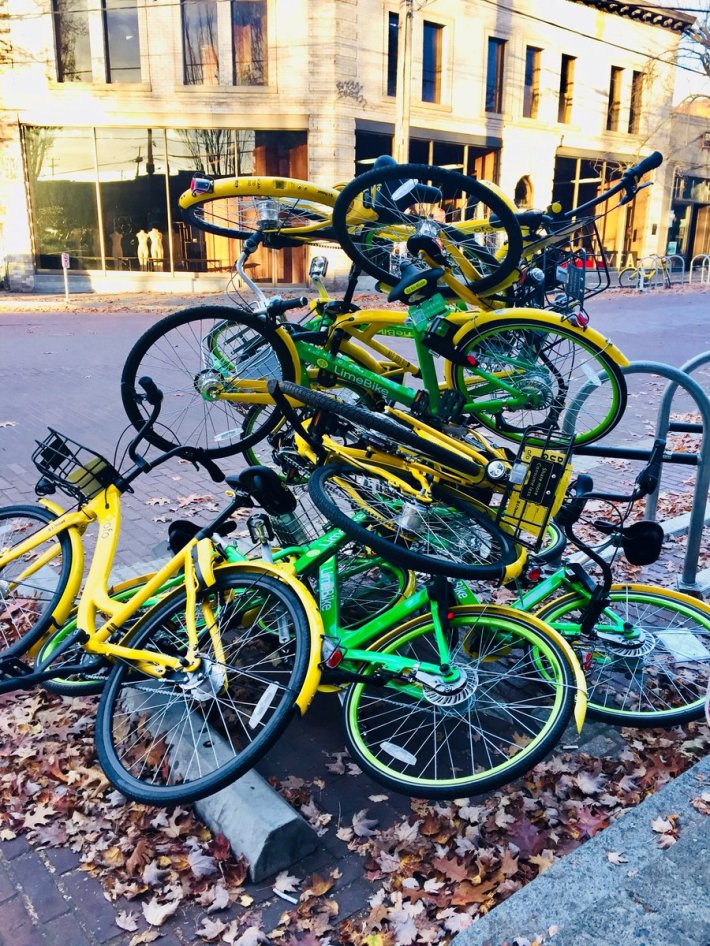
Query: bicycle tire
366	243
553	544
233	209
428	745
629	277
552	369
173	352
271	661
617	674
390	428
21	625
461	540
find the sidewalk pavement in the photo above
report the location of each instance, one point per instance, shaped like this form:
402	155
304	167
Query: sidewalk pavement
624	886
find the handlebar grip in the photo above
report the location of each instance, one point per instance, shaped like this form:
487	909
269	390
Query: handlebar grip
153	394
278	306
653	160
214	471
648	478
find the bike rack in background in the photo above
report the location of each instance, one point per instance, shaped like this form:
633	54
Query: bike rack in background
677	377
681	259
704	268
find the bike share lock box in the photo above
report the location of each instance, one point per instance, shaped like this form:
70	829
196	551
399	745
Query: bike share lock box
537	485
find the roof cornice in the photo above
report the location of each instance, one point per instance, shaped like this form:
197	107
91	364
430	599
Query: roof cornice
649	14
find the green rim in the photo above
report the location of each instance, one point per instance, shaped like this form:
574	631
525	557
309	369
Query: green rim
501	772
614	380
676	631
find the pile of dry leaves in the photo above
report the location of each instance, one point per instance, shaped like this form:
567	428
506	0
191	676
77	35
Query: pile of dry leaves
432	872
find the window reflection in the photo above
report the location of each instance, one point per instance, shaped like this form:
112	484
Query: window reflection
123	61
61	173
71	33
249	39
133	201
199	42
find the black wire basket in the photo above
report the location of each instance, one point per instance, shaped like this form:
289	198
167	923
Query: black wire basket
563	269
74	469
537	485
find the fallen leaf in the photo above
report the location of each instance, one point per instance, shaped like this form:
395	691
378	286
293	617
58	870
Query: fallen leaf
157	913
285	882
211	929
661	826
147	936
362	825
127	921
614	857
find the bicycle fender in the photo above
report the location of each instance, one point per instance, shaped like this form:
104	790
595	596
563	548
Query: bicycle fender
315	623
481	320
203	557
292	350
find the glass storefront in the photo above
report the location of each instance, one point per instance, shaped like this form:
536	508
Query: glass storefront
108	196
467	158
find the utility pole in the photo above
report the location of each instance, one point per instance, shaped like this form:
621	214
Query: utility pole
404	81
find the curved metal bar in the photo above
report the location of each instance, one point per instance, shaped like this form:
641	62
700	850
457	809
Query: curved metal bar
704	268
678	378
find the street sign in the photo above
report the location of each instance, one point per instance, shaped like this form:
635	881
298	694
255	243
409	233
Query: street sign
65	261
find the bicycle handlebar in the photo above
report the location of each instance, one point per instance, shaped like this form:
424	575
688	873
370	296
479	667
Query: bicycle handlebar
278	306
628	184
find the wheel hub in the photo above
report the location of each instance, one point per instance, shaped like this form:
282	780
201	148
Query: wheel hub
209	384
535	385
456	692
206	682
639	646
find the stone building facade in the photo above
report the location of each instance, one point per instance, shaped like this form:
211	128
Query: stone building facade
108	106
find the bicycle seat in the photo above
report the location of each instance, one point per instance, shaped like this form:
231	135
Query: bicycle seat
268	489
416	284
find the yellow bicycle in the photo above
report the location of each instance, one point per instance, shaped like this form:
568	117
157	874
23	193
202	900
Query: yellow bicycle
204	681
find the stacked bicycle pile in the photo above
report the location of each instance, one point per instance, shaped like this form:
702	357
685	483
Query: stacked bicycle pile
379	596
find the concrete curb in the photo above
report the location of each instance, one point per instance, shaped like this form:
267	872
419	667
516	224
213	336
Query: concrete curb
256	821
655	898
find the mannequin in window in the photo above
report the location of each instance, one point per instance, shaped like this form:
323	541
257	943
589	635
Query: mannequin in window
143	252
156	248
117	248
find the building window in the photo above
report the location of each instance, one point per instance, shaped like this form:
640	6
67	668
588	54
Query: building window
531	96
392	51
249	42
636	102
614	104
431	62
123	56
494	75
71	35
564	101
199	42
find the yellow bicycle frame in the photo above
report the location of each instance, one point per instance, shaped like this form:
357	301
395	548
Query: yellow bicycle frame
197	563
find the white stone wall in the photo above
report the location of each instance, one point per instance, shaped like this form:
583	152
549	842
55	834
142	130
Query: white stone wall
327	67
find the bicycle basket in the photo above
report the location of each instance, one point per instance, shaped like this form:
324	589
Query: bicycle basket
564	268
537	485
73	468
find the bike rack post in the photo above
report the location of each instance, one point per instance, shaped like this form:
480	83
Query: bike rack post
681	259
679	377
704	268
664	424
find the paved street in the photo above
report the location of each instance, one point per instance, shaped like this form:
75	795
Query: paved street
62	369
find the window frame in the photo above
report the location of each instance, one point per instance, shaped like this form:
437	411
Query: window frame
57	15
565	95
531	98
436	30
266	64
499	43
613	108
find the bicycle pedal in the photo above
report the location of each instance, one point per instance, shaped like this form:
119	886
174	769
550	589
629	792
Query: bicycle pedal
12	667
451	405
420	405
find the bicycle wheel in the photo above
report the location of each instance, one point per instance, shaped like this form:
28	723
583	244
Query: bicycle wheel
657	677
31	586
629	278
77	683
554	543
546	367
447	536
395	432
501	719
368	586
280	207
199	358
180	738
386	217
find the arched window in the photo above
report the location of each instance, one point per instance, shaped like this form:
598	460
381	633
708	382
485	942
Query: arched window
523	196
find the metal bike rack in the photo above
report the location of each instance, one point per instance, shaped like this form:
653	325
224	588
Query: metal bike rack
681	259
677	377
704	268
